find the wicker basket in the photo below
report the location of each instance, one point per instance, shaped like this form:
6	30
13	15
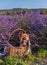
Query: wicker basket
13	51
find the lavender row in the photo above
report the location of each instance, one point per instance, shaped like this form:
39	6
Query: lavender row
34	22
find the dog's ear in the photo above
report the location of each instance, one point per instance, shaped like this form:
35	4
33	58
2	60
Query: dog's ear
28	34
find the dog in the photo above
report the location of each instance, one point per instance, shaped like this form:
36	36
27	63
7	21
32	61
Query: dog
25	41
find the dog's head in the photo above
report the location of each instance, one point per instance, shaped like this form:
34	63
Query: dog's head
24	38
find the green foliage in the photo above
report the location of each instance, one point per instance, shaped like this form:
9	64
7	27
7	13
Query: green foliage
10	60
18	60
31	57
42	53
22	60
43	12
2	62
9	12
0	56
